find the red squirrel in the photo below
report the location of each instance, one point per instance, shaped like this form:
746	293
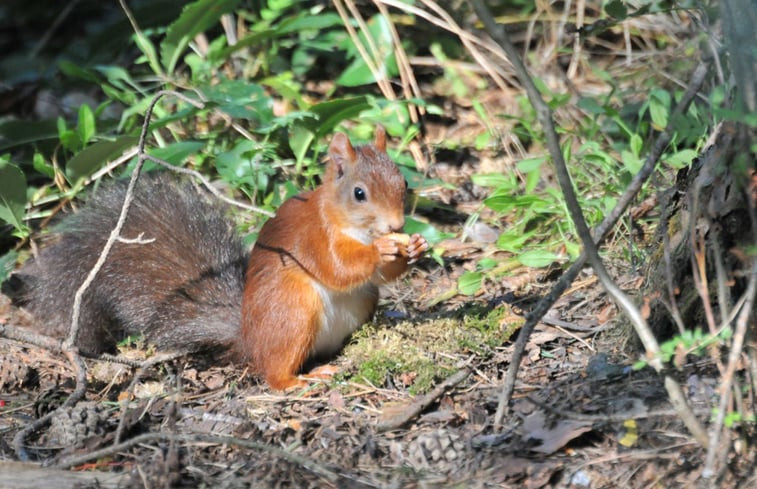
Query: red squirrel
181	277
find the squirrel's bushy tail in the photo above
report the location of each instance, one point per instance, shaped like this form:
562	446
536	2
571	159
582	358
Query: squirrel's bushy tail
176	278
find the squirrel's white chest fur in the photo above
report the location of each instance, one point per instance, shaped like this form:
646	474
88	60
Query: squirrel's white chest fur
343	313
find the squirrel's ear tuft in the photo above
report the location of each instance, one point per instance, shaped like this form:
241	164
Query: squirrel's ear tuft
379	140
341	153
341	150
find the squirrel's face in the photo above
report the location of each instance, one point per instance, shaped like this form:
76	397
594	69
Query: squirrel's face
376	199
370	189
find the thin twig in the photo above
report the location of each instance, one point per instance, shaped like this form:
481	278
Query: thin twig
665	206
544	116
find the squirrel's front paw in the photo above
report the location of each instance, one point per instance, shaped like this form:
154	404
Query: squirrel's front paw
390	246
416	247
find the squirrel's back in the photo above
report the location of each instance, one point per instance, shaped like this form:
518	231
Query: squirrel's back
176	277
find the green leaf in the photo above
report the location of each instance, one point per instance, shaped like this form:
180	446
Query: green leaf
681	159
242	100
12	195
75	71
635	144
68	137
176	153
358	73
537	258
300	139
659	108
432	235
93	157
532	168
332	113
85	127
148	49
632	162
616	9
7	264
245	164
17	132
513	240
45	168
590	105
326	116
493	180
470	282
319	22
196	17
531	164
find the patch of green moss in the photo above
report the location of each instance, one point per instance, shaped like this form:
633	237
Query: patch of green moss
376	369
418	354
495	326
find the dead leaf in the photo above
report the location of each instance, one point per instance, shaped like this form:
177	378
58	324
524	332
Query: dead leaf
607	313
551	437
146	390
407	378
336	399
213	379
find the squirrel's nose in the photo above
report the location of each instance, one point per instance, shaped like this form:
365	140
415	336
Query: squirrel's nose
396	224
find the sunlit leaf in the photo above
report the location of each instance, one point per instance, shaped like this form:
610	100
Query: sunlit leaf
470	282
536	258
196	17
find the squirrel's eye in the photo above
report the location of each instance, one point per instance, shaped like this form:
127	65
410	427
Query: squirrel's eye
359	194
406	184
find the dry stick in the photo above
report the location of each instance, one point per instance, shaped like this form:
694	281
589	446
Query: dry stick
418	406
49	343
535	315
452	26
544	116
663	227
546	302
30	338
